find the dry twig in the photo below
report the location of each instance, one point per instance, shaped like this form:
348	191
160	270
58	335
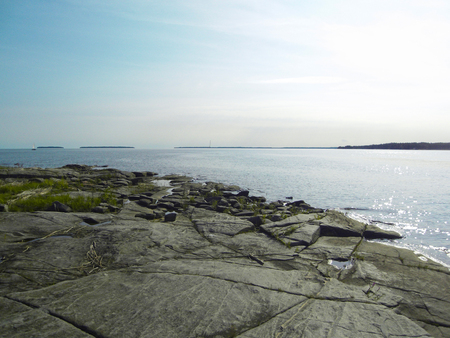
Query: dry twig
94	259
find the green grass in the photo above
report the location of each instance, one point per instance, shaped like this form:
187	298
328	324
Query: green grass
290	231
214	193
47	192
142	187
36	203
9	191
319	216
214	204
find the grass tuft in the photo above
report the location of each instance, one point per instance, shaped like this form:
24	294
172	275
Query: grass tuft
36	203
34	196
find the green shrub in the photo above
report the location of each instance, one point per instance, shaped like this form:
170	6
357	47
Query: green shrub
214	204
108	197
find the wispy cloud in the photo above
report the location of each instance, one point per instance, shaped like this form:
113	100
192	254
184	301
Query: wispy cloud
263	69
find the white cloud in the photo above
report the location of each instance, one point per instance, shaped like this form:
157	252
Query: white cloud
397	48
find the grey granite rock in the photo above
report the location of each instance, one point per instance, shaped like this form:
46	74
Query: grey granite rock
148	215
60	207
211	274
170	217
23	320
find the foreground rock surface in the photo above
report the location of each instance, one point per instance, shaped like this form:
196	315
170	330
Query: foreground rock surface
220	268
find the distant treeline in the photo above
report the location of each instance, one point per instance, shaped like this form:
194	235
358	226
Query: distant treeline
106	147
255	147
404	146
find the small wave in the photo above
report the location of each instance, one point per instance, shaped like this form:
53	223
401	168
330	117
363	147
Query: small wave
381	222
382	211
356	209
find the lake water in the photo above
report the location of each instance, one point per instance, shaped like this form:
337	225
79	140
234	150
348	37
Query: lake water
406	191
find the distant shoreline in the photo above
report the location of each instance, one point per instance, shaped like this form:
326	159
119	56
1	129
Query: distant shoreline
105	147
404	146
256	147
386	146
50	147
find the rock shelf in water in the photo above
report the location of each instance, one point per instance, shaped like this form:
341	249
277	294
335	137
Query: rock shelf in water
206	260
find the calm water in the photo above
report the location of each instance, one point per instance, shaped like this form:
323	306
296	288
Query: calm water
407	191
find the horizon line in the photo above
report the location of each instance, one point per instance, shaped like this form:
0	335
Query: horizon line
243	147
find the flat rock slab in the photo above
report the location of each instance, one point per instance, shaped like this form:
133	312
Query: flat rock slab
129	304
304	235
272	279
294	234
29	173
216	299
19	320
210	223
322	318
292	220
211	274
337	248
416	280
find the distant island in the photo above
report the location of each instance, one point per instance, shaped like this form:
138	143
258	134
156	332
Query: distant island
50	147
106	147
404	146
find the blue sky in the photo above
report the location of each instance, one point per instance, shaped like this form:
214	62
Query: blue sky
159	74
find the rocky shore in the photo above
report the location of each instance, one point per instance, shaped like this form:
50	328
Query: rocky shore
171	257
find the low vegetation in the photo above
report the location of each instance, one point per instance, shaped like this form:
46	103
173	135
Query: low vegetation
35	196
142	187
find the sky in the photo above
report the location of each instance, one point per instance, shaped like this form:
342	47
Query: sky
284	73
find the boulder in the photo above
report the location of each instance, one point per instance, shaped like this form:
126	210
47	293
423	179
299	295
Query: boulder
256	220
99	209
337	224
258	199
170	217
137	180
148	216
243	193
373	232
276	218
121	182
58	206
245	213
145	202
166	205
